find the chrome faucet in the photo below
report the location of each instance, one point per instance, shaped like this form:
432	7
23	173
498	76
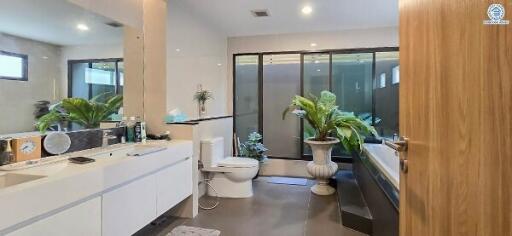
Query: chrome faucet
107	136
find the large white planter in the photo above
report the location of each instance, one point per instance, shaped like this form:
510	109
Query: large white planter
322	168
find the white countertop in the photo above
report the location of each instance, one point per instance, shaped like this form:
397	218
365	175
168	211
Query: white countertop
66	184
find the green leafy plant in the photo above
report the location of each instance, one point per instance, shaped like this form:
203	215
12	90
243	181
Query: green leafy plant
253	148
87	113
327	120
202	96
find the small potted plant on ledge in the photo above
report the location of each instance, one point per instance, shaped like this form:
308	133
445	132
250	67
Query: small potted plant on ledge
331	126
253	148
201	97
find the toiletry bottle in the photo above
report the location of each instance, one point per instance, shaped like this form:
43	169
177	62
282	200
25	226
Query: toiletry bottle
143	131
130	130
138	130
123	124
8	152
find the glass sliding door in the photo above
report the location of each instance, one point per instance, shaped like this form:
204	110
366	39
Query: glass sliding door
352	82
246	97
365	81
316	78
281	81
387	73
316	73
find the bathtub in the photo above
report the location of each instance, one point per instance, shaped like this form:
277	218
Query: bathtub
376	170
386	160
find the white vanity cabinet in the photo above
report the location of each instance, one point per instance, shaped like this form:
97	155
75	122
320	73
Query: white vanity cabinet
130	207
81	220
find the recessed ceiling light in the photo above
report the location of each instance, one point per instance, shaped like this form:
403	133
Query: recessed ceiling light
312	44
82	27
178	50
306	10
219	64
318	70
44	57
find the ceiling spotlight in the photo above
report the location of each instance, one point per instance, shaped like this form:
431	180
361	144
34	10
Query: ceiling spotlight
318	70
82	27
306	10
178	50
312	44
219	64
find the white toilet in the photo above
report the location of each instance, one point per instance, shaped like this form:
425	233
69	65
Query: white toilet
231	177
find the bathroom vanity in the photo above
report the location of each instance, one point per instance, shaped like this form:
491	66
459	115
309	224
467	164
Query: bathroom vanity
118	194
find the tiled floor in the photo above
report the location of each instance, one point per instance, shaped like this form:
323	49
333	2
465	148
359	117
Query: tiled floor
275	210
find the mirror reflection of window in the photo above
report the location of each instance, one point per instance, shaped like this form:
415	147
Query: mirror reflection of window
13	66
37	40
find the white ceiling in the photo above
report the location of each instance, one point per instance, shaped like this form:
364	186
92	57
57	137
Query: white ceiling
235	19
54	21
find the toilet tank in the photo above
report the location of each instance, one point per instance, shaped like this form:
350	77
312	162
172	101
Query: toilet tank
212	151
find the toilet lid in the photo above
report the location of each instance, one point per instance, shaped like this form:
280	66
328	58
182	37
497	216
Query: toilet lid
238	162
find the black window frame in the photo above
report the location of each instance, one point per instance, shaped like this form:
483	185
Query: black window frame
24	66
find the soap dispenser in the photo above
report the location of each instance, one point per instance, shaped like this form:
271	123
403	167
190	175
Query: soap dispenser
7	155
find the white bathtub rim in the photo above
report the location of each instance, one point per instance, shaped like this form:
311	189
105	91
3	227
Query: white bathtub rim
391	175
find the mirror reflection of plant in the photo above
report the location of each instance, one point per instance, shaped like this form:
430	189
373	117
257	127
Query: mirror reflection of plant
87	113
202	96
253	148
326	119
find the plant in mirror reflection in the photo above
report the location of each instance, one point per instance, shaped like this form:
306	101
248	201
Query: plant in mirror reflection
327	120
87	113
253	148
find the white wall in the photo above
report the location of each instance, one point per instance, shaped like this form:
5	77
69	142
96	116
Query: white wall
17	98
201	49
360	38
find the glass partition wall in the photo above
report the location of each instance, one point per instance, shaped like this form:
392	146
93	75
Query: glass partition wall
365	82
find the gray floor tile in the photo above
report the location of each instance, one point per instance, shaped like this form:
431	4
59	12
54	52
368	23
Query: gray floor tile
275	210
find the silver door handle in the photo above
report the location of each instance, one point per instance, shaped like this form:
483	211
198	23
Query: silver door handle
400	146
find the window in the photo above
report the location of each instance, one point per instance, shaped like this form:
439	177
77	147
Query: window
90	78
382	80
396	75
365	81
13	66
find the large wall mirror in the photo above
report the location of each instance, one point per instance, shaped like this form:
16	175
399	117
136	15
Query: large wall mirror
52	50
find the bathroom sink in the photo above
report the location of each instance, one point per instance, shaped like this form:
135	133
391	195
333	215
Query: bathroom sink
10	179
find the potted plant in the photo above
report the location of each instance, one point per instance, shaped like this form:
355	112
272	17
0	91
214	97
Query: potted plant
87	113
253	148
331	126
201	97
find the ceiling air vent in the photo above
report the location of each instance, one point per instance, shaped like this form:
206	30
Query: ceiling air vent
260	13
114	24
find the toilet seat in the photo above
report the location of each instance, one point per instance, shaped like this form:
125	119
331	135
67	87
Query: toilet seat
238	162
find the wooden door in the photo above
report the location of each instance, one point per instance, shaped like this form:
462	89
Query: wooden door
455	108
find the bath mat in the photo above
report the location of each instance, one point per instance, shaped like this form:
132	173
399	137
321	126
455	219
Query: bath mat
288	181
193	231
